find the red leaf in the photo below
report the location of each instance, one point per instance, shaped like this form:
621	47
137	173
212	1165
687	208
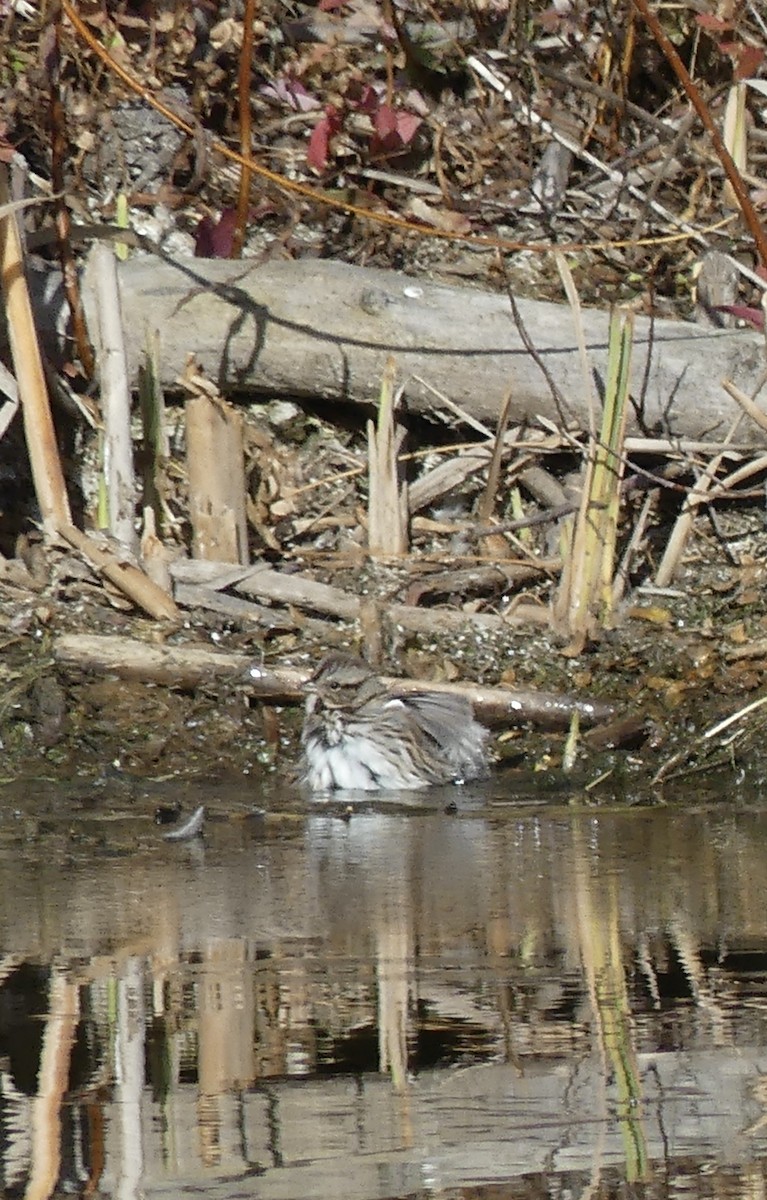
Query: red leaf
394	129
213	239
743	312
329	5
369	99
319	143
713	24
750	60
407	126
385	121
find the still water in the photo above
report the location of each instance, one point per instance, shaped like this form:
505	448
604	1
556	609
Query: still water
508	999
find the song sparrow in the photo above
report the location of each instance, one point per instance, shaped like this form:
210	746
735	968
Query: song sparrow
359	734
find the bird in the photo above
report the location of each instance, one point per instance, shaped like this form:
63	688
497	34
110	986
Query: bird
359	734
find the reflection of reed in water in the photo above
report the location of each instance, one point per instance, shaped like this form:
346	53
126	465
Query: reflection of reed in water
597	909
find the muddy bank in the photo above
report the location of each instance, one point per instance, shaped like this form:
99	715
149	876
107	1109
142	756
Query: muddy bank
674	667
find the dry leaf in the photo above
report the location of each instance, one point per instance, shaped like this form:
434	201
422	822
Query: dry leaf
439	218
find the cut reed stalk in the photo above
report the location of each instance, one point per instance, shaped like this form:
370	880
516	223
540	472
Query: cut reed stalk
584	602
387	494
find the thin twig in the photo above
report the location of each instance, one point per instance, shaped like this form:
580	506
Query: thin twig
559	400
684	755
750	214
63	218
371	216
243	99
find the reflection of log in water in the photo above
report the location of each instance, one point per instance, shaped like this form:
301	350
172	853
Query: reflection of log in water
352	1136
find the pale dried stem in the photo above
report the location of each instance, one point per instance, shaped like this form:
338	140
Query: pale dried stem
40	434
115	402
702	491
747	403
573	299
680	534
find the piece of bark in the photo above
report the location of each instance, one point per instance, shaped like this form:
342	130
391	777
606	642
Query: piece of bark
155	556
187	666
322	329
447	477
549	185
716	286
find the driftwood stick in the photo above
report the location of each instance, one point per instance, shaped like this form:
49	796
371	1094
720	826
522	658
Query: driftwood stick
132	582
502	706
198	583
268	584
129	658
184	666
190	595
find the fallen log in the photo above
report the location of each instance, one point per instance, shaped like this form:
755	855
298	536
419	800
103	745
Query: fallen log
318	329
130	658
189	666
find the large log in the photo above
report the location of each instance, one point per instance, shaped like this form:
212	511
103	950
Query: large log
321	329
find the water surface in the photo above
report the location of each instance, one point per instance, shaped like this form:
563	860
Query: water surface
513	997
